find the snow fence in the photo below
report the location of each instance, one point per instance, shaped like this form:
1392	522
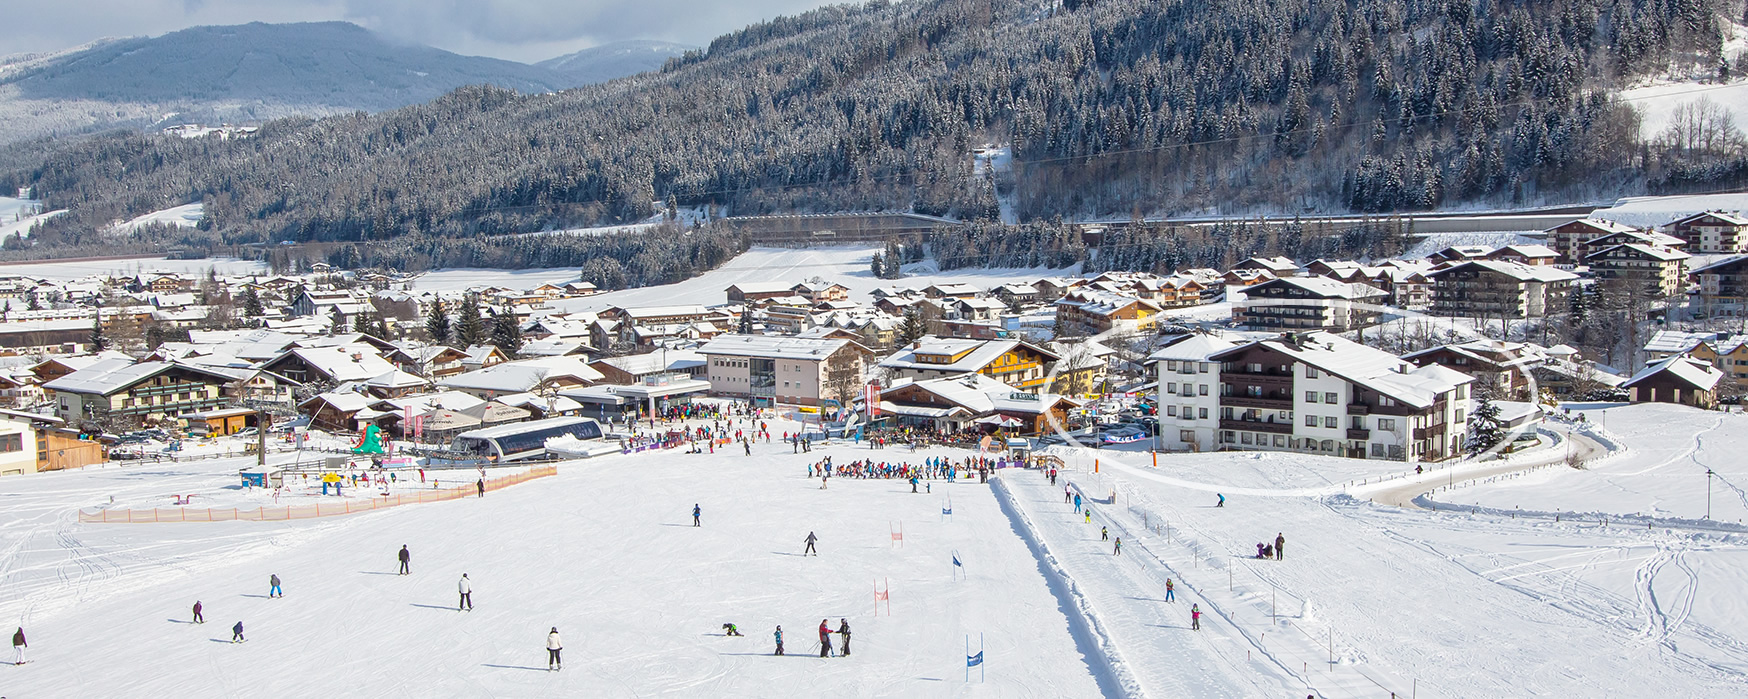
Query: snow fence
290	512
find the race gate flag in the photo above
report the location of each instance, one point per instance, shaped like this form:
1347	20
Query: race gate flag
947	510
974	661
897	533
958	565
882	595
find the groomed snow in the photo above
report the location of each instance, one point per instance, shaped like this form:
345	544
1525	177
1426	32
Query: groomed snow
184	216
67	271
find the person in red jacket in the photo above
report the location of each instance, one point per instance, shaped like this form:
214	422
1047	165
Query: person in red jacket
825	638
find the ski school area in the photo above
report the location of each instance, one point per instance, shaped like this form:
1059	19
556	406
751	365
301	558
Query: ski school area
994	583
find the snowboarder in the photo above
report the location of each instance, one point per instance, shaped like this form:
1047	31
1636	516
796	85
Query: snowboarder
198	619
810	539
697	515
730	630
1195	617
237	633
1104	534
1118	550
553	646
482	487
1280	543
465	587
1169	594
406	557
273	586
1222	502
18	646
844	630
779	636
825	638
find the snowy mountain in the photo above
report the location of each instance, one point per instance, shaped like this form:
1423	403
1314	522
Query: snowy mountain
615	60
254	72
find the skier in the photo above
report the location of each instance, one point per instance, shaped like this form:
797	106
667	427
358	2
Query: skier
825	639
730	630
810	539
1067	494
913	483
1089	515
405	557
1195	617
465	587
748	445
1169	594
1222	502
1104	534
237	633
779	636
1118	550
273	586
198	619
1280	543
553	645
482	487
18	646
1077	504
844	630
697	514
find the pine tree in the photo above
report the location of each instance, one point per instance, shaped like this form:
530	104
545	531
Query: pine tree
361	323
99	341
252	303
437	322
381	328
507	333
913	326
875	267
470	328
1485	429
746	320
336	321
33	304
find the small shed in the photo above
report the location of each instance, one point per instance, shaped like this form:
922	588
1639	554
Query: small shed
263	476
219	422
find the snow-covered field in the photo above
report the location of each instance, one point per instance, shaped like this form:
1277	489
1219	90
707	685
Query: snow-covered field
184	216
1656	211
1657	103
62	271
1368	600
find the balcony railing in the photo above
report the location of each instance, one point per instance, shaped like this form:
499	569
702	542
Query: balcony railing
1358	409
1256	426
1358	433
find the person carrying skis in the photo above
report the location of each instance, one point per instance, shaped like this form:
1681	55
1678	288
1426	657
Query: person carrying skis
697	515
810	539
554	645
465	587
18	646
825	639
237	633
1195	617
779	636
198	619
406	558
1170	596
273	586
844	631
1280	543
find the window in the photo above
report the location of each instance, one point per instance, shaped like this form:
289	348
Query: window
1284	416
11	442
1310	420
1280	440
1253	368
1331	422
1186	435
1459	415
1202	367
1202	390
1310	396
1245	436
1377	450
1462	391
1225	413
1226	437
1328	445
1253	391
1171	388
1171	411
1171	365
1387	424
1203	412
1330	398
1310	371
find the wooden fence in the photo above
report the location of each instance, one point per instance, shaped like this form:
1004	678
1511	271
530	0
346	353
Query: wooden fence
289	512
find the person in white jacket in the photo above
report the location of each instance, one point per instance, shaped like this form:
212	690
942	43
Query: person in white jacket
553	646
465	587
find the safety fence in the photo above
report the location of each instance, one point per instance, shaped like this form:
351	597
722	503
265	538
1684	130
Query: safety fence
290	512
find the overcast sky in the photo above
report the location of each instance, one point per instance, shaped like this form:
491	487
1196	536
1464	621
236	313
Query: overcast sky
520	30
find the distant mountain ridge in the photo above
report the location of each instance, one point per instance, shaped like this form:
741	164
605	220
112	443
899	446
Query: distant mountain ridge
258	71
616	60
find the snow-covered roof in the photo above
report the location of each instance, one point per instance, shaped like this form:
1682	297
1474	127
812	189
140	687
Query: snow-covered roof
1325	287
111	375
653	362
973	354
1656	253
396	379
1692	371
1193	348
1601	225
1516	270
344	401
1677	340
1731	261
523	374
1364	366
770	347
343	363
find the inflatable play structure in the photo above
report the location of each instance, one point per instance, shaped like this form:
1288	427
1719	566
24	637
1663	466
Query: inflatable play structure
370	442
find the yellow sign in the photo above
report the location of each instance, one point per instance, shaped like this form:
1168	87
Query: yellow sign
809	409
331	478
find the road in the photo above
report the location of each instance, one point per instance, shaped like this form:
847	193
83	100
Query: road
1403	495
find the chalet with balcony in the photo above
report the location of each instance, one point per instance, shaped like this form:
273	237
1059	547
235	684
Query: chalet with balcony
1500	289
1723	287
1724	232
1309	303
1658	271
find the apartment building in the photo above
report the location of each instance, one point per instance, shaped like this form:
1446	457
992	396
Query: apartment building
1723	232
1309	303
1500	289
1656	270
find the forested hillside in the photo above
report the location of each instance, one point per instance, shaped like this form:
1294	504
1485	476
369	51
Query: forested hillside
1111	107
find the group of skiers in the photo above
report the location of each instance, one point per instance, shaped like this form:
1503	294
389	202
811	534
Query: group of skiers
1276	550
825	637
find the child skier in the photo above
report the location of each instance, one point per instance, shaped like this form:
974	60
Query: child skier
237	633
1169	597
1195	617
273	586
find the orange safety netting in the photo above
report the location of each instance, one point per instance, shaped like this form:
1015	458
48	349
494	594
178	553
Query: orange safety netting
288	512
